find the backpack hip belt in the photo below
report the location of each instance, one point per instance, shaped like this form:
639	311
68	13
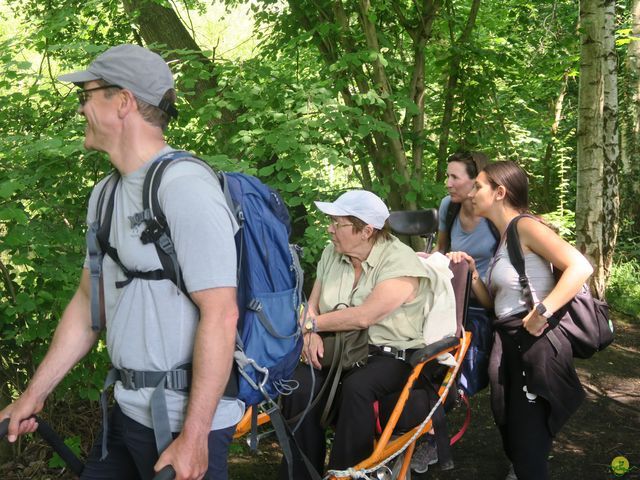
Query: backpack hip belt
179	379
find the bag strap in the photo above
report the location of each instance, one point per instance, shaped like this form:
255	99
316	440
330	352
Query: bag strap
332	376
157	231
328	411
516	257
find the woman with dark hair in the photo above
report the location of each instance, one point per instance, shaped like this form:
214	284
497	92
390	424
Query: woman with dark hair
534	385
459	228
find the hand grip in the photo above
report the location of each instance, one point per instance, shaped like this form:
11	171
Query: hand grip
4	428
167	473
53	439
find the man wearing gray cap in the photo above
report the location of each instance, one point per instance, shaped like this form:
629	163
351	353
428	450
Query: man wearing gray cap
127	98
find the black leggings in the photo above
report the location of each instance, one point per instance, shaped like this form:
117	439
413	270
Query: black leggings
526	437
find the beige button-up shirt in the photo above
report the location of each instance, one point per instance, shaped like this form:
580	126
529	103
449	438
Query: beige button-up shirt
402	328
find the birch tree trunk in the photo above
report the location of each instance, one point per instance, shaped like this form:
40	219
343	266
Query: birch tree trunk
589	192
611	189
630	166
597	196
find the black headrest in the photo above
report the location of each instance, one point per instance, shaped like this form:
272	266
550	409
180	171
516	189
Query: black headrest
414	222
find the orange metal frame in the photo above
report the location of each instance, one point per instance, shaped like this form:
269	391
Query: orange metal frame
385	446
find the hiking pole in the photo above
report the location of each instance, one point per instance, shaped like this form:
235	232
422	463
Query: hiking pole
54	440
167	473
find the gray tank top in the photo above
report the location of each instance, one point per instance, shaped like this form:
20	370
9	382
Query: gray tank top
508	296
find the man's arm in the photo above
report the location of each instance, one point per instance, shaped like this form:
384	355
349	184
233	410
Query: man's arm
72	340
212	360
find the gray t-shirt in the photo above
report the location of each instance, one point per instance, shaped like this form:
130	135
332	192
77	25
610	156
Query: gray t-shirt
479	242
151	325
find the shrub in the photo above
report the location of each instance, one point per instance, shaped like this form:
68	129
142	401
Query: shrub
623	290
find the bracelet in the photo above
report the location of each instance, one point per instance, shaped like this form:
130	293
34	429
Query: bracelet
475	275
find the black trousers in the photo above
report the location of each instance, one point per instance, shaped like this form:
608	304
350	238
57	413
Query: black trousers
355	427
526	436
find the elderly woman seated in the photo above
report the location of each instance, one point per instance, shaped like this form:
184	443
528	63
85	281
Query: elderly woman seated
381	284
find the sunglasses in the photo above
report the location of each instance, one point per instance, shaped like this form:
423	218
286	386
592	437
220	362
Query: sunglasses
83	95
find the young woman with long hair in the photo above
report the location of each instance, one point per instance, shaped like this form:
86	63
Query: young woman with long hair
534	385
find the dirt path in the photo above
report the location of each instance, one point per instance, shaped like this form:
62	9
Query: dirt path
606	426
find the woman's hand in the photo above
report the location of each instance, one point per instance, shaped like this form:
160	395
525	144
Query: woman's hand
477	285
457	257
313	350
534	323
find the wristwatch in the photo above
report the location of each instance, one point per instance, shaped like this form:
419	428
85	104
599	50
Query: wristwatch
310	326
542	310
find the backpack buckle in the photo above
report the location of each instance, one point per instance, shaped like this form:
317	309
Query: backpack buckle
126	377
152	233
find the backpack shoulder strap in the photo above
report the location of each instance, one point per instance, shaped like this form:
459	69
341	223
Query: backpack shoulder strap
452	212
516	257
97	243
157	231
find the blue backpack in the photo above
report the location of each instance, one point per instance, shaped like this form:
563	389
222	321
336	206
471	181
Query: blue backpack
269	293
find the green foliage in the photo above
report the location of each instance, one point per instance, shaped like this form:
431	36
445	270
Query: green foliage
564	222
623	289
42	221
293	105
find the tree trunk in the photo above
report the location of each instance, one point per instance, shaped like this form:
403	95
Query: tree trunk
547	163
611	143
383	86
631	145
589	194
417	85
450	90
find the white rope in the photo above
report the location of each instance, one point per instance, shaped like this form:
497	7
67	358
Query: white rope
352	473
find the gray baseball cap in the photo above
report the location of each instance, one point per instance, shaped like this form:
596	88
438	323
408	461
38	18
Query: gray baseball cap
135	68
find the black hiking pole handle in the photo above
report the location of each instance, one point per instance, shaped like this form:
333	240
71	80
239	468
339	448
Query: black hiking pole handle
4	428
167	473
53	439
